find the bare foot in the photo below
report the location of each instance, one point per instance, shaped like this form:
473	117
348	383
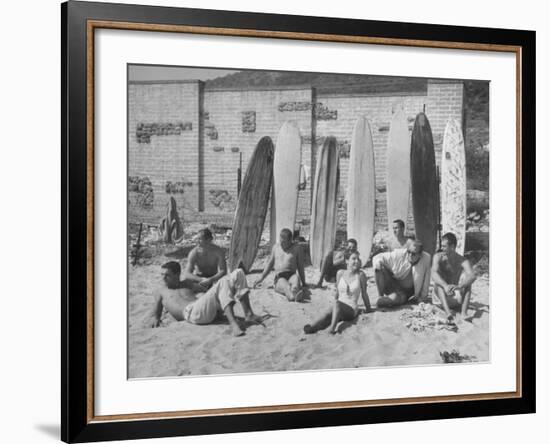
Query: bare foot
237	331
255	319
332	332
299	297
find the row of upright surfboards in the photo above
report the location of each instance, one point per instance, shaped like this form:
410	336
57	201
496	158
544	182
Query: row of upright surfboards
411	170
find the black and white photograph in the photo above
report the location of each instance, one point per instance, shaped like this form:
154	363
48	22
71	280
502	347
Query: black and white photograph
297	221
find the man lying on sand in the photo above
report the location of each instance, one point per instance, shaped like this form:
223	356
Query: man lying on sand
287	259
453	277
179	299
206	262
336	261
399	240
401	274
350	284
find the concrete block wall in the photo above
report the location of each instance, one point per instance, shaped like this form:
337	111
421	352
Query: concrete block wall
167	156
224	110
229	122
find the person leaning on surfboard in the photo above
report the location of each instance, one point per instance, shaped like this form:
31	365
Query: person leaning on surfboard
287	258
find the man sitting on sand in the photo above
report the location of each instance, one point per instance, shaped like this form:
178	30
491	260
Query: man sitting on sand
179	299
287	259
336	261
399	240
402	274
453	277
206	262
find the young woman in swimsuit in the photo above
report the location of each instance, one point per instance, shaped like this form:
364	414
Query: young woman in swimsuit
350	285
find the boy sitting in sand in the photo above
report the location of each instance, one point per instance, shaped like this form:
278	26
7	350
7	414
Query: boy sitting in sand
206	262
453	277
336	261
350	284
287	259
402	274
179	299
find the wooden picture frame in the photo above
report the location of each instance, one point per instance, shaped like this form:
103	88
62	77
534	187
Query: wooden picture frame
79	22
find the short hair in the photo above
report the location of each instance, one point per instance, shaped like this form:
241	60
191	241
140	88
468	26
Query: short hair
353	241
450	238
415	245
206	234
400	223
287	233
172	266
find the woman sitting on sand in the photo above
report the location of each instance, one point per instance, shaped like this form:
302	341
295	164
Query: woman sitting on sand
350	284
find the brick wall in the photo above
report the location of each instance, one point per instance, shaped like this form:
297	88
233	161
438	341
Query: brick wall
163	141
231	123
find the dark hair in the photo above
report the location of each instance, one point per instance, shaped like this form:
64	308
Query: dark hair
450	238
206	234
400	223
172	266
353	241
287	233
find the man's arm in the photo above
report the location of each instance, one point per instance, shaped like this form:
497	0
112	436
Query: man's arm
381	262
190	267
469	275
153	320
267	268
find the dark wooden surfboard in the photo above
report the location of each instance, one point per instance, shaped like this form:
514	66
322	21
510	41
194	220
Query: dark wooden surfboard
424	184
252	207
325	194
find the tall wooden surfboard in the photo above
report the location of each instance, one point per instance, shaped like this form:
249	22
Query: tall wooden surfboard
424	184
453	184
361	188
286	178
325	193
252	206
398	179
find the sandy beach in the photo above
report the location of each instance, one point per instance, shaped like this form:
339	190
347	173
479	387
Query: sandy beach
408	335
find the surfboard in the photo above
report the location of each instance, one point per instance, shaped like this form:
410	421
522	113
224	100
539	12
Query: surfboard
361	188
252	206
453	184
325	193
398	171
286	178
424	184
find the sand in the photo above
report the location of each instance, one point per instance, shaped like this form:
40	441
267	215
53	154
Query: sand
381	338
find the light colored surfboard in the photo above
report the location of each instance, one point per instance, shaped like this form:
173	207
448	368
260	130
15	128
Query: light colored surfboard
252	207
398	179
361	188
286	178
324	211
453	184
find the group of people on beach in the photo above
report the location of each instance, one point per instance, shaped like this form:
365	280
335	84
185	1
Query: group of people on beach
205	289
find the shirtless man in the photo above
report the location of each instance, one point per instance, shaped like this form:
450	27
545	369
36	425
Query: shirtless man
453	277
402	274
206	262
336	261
179	298
399	239
287	259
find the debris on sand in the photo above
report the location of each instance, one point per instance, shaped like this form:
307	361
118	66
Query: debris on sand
454	357
426	317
